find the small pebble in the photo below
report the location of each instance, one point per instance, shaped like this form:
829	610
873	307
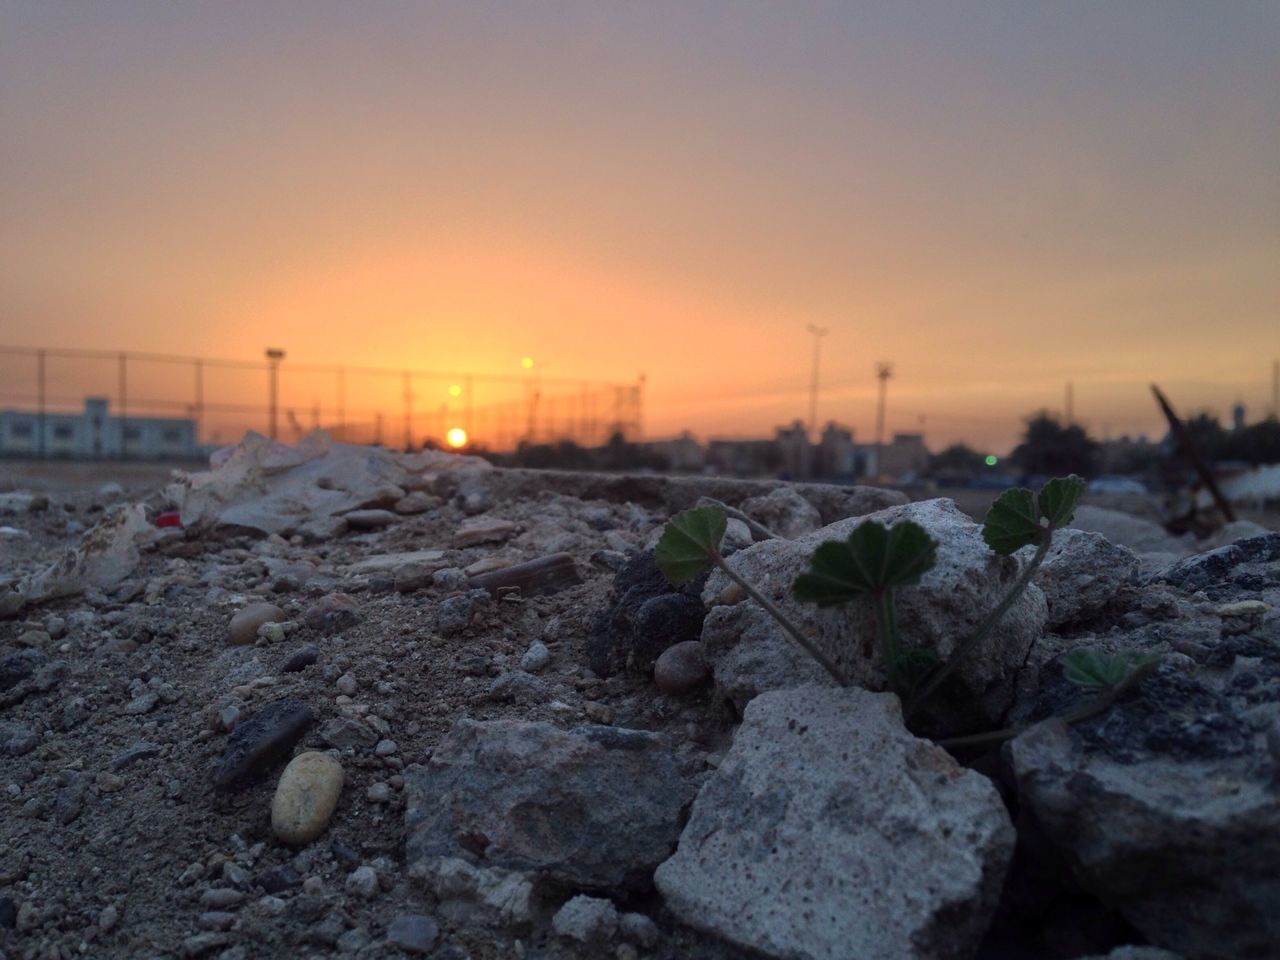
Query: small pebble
347	684
362	882
379	793
536	657
386	748
243	628
306	797
681	668
413	933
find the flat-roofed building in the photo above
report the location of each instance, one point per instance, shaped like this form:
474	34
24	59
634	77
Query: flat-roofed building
94	433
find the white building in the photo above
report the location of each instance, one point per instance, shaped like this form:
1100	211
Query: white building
95	433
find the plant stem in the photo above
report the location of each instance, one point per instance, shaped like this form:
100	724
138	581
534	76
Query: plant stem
783	621
887	627
1100	704
984	629
757	528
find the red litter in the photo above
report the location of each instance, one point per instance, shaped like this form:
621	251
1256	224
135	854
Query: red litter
170	518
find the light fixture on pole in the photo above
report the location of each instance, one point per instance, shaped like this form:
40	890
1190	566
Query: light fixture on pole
818	334
274	356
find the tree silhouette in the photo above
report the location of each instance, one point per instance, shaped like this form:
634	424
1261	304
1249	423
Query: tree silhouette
1050	449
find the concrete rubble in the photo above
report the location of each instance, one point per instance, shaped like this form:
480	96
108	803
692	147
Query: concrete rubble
491	728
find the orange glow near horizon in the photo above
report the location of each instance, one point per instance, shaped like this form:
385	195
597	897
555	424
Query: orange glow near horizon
657	192
456	437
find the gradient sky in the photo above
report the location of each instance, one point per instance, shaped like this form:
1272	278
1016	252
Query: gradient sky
996	196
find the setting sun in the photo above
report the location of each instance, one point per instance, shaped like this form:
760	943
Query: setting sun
457	437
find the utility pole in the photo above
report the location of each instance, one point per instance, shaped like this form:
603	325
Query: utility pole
1275	389
818	334
883	372
1070	404
274	356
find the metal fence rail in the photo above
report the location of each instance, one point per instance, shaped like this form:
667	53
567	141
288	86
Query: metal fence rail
402	408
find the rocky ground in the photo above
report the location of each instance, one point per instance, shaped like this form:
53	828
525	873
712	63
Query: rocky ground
327	700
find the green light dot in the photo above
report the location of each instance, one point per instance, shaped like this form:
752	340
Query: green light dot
992	460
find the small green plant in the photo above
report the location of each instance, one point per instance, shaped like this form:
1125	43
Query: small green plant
873	563
876	561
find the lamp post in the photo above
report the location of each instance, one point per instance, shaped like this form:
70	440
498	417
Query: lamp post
818	334
883	372
274	356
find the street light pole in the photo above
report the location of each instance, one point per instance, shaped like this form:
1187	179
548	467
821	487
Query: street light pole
274	356
883	372
818	334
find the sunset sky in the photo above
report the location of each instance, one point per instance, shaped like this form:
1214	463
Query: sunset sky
998	197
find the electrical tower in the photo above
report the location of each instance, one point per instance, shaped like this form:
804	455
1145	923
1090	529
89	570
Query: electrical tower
818	334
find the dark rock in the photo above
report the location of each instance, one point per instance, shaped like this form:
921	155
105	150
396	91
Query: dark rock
536	578
301	658
27	672
647	615
278	879
262	741
413	933
70	799
346	733
454	615
17	741
1228	572
134	753
529	796
333	612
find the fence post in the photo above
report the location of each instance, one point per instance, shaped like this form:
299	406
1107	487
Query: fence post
40	401
123	400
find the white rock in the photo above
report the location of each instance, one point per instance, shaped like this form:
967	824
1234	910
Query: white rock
536	657
785	512
750	653
1082	572
830	832
362	882
587	920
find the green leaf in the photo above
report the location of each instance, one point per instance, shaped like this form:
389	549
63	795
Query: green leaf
1013	522
1093	668
1058	499
689	542
874	558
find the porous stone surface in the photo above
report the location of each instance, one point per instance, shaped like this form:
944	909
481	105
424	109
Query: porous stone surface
587	920
784	512
1081	573
1247	565
1182	839
306	797
532	797
830	831
751	654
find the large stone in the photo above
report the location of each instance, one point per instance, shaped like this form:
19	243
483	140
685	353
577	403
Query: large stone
1183	840
306	797
751	654
829	831
1081	573
593	807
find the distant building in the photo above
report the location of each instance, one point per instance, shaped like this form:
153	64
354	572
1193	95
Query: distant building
795	449
905	456
837	455
95	433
